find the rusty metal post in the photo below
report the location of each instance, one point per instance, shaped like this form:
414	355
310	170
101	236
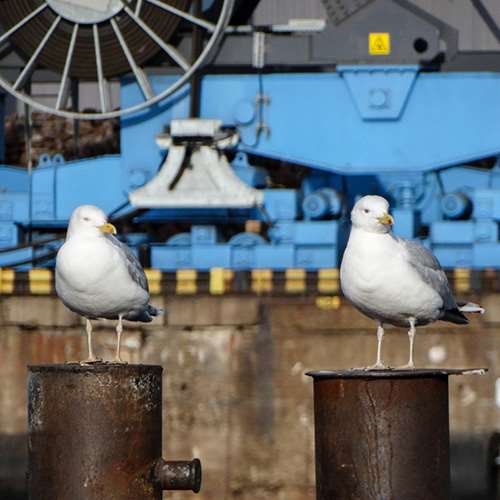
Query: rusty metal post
382	434
95	432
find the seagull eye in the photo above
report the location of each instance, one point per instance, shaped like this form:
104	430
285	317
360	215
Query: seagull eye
86	219
366	211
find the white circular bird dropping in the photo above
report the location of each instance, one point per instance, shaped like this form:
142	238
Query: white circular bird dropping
437	354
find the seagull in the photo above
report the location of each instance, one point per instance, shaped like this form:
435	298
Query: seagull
392	280
97	276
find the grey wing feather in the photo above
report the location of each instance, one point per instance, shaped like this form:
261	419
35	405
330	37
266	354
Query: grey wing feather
134	267
430	270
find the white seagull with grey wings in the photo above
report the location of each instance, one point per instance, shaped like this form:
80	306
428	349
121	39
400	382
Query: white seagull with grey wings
97	276
394	281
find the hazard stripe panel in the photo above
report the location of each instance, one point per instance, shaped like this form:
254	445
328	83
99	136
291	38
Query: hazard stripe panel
220	281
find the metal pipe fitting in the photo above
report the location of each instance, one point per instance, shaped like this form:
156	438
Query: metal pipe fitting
95	431
323	203
179	475
382	434
456	206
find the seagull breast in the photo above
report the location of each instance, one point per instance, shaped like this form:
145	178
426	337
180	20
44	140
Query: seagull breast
378	280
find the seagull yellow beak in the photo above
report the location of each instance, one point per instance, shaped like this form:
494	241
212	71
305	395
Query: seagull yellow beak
386	219
108	228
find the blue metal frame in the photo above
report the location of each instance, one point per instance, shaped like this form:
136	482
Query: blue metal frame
390	130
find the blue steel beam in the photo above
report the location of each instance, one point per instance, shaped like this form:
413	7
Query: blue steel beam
444	119
449	119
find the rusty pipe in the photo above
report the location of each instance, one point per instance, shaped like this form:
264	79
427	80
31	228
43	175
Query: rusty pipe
179	475
382	434
95	431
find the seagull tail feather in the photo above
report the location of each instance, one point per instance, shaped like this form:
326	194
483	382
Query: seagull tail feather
457	315
470	307
454	316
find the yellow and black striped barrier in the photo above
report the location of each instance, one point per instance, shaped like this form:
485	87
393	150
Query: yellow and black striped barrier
219	281
7	278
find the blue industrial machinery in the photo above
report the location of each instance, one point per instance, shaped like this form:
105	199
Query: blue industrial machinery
198	193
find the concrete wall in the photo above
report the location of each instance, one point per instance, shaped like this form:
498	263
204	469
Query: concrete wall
235	391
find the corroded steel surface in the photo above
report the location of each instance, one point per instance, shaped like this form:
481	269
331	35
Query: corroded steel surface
382	437
94	432
179	475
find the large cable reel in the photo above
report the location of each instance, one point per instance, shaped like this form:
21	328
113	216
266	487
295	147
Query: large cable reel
97	40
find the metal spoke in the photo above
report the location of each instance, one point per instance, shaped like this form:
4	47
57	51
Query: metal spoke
138	7
188	17
103	96
30	65
63	87
140	76
23	21
187	69
169	49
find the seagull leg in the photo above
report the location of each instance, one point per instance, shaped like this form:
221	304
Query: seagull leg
411	333
119	330
380	335
91	358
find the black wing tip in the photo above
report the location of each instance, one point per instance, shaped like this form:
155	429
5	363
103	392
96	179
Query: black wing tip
155	311
455	316
147	315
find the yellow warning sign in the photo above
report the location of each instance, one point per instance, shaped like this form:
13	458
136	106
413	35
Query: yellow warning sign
379	44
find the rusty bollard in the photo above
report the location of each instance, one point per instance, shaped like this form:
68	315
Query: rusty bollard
95	433
382	435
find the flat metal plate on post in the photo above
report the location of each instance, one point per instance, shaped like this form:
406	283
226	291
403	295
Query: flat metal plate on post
382	434
394	373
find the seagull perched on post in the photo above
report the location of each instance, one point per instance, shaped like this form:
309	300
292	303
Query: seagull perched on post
394	281
97	276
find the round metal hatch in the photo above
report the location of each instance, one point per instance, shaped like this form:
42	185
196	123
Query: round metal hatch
86	11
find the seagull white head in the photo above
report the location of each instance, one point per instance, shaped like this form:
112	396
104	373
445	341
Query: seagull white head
371	213
89	220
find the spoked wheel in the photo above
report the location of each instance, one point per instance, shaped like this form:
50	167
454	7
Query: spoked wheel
97	40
